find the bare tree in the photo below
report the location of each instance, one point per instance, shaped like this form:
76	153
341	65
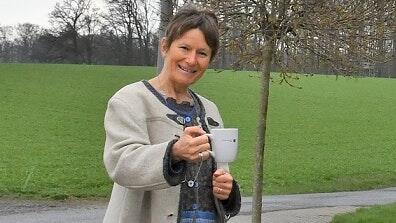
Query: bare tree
121	18
340	33
166	13
145	32
6	44
27	35
68	17
130	18
91	24
381	41
393	69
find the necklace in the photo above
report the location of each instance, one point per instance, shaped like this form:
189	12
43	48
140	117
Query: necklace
165	93
186	114
193	183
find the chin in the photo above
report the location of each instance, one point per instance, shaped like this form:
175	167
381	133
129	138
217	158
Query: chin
188	78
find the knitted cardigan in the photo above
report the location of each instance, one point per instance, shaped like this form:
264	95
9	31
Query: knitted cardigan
138	137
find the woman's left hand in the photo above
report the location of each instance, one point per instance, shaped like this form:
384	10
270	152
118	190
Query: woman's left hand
222	184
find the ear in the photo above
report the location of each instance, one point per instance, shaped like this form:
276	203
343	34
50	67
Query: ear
163	46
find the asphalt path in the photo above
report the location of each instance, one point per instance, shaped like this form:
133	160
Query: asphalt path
304	208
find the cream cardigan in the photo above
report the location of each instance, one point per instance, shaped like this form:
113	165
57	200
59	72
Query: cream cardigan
137	135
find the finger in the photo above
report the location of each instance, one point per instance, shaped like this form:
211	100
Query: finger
221	193
202	156
224	186
195	149
223	178
199	140
204	148
219	172
218	190
206	155
194	131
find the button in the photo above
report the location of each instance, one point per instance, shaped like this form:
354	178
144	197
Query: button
180	120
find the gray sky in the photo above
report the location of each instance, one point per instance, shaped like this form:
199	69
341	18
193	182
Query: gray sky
13	12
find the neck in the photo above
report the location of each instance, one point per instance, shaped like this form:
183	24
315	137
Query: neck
164	85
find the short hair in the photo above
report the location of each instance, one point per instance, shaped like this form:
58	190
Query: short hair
191	17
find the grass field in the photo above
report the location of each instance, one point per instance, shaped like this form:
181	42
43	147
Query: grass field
331	135
376	214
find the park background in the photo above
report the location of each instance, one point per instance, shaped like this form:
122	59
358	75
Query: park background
325	132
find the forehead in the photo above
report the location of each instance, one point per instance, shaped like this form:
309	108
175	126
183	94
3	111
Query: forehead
194	38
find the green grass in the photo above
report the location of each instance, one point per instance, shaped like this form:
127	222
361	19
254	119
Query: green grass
331	135
376	214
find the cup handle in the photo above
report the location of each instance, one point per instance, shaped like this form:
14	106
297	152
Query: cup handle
211	153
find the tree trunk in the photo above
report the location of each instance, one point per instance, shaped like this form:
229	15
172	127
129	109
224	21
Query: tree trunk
261	129
393	71
379	65
165	16
76	58
381	52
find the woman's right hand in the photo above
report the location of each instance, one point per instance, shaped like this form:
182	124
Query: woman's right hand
191	144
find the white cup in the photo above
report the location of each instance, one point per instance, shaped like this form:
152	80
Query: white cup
224	146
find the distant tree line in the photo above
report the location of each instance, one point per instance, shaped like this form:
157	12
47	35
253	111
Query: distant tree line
126	33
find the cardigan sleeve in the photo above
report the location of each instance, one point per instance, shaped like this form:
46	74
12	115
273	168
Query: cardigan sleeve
130	160
173	171
232	205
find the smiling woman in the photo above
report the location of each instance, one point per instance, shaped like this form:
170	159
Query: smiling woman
186	60
157	150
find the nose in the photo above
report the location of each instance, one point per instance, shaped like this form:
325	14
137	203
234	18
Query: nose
192	58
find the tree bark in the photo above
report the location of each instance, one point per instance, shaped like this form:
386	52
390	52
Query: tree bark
393	71
379	65
261	129
165	16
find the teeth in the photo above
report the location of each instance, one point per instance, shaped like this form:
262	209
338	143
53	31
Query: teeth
186	69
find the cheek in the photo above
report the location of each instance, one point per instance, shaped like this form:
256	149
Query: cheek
204	64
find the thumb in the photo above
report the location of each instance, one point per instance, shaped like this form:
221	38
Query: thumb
194	131
219	172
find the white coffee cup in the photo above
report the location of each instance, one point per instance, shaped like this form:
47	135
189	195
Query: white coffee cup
224	146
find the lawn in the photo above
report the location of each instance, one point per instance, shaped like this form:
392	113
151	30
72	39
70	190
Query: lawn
331	135
376	214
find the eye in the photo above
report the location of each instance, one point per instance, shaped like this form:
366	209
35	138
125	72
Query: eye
183	48
203	54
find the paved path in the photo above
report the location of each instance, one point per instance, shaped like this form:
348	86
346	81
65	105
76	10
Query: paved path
304	208
314	208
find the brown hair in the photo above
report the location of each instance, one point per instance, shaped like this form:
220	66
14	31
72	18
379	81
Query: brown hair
190	17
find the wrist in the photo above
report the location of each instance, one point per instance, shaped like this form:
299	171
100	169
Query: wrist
174	154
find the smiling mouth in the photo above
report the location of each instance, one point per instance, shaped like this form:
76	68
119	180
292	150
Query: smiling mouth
187	69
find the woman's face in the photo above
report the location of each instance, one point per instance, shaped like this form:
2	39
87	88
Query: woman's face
187	58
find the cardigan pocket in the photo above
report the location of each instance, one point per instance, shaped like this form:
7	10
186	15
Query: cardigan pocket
162	129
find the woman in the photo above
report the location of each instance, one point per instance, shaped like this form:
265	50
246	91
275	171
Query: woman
156	150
